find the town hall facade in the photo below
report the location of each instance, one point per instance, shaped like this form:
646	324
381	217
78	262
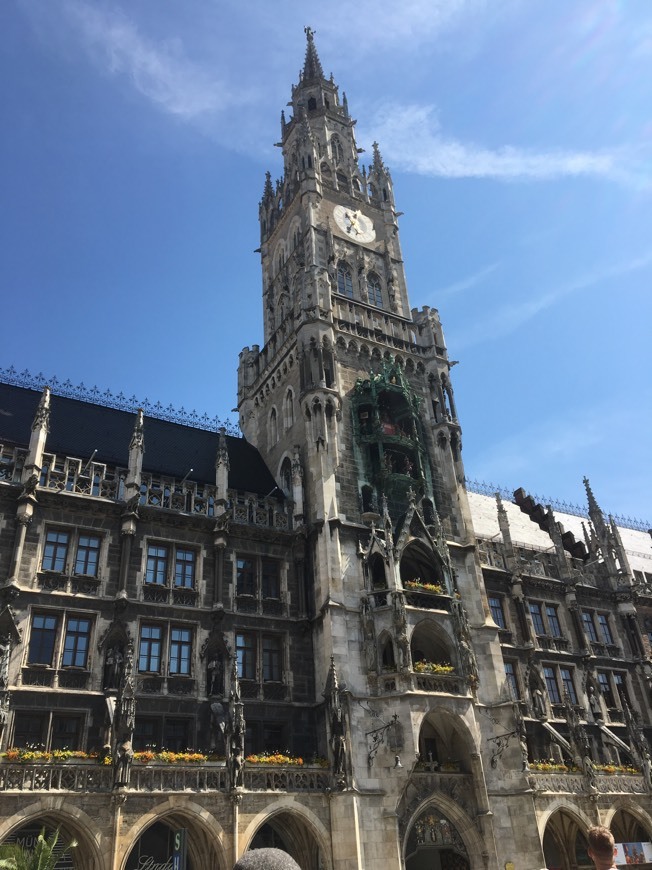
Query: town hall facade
316	636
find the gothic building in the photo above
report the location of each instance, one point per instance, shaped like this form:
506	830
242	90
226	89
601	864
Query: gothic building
465	678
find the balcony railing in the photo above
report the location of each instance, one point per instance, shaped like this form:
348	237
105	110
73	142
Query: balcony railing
451	684
77	584
89	776
576	783
427	600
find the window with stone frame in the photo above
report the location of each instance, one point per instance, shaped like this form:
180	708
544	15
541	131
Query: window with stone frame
76	642
71	551
170	565
550	677
545	619
496	608
261	665
606	689
344	280
589	626
272	657
559	683
42	639
605	628
258	584
163	645
174	733
48	729
374	290
512	680
49	646
246	655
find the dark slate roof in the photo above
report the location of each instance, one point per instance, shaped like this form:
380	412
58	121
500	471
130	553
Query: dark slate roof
78	428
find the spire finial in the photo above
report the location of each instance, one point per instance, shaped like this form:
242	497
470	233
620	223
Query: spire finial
312	68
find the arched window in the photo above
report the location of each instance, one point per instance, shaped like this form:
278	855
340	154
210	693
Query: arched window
289	410
336	150
344	281
286	477
312	104
374	293
273	428
342	181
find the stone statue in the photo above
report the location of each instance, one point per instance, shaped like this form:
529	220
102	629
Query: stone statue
122	764
113	665
338	742
539	704
215	676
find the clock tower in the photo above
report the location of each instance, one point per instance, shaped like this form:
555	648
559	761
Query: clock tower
350	403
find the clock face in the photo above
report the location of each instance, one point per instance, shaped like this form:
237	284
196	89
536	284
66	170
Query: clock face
354	224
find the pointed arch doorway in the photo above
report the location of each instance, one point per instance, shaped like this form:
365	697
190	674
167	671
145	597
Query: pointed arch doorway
435	844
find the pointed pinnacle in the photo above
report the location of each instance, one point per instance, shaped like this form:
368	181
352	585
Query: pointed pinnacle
593	504
268	191
377	165
312	68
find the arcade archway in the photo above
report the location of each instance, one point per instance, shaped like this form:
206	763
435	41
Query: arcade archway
434	843
287	831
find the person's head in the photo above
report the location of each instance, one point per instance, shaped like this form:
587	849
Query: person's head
601	845
266	859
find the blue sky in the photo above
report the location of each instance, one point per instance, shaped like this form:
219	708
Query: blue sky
135	140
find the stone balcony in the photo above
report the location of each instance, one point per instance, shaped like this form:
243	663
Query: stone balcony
577	783
90	776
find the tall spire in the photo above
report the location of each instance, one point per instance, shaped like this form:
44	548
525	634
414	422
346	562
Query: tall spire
595	513
312	68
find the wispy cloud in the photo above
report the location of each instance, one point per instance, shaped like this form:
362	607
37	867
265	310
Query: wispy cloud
410	22
413	141
540	443
511	317
160	71
466	283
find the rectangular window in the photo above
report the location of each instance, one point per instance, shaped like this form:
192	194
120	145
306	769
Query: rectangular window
180	650
567	683
55	554
76	643
271	581
157	565
554	628
537	618
42	639
245	646
151	643
176	735
605	688
272	665
512	681
88	555
66	732
589	626
245	577
184	569
30	728
603	622
273	737
551	685
496	607
620	682
146	733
